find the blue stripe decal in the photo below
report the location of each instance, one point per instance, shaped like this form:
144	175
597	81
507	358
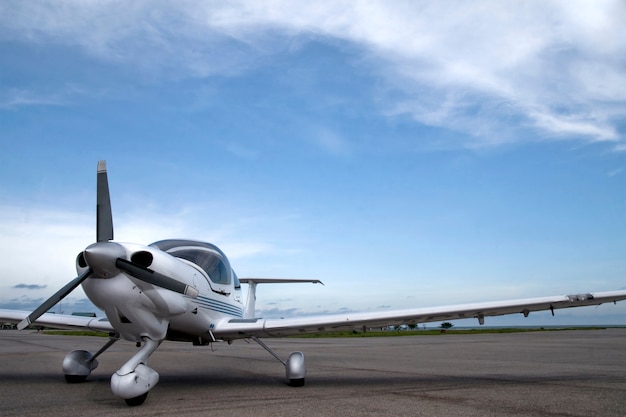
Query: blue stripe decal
221	310
218	310
219	306
230	311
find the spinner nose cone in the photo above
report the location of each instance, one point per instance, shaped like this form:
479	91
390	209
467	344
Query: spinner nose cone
101	258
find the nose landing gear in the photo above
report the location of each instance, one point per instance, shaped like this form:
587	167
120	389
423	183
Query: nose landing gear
135	379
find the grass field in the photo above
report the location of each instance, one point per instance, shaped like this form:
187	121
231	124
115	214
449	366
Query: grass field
383	333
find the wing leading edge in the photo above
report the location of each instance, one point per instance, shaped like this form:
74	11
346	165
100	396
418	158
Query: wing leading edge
238	328
59	321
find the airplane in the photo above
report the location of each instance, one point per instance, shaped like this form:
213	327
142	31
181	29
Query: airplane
187	291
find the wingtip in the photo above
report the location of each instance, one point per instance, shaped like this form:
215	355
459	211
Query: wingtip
102	166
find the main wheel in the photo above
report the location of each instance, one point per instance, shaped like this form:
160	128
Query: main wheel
75	379
135	401
296	382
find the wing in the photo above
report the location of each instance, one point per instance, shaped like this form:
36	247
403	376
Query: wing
59	321
243	328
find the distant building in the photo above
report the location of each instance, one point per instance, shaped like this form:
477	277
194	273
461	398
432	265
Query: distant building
84	314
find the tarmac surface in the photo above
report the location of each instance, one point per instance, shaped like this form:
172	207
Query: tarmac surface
550	373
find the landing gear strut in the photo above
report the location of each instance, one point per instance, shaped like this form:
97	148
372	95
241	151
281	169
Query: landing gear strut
134	379
294	365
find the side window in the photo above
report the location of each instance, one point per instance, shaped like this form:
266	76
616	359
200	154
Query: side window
237	283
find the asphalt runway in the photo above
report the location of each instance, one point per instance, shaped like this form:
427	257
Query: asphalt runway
564	373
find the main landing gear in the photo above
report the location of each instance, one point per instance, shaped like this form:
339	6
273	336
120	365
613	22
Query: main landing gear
294	365
78	364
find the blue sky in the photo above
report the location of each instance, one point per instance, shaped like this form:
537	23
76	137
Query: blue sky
408	154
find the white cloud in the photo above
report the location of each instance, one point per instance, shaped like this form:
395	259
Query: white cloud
39	248
14	98
468	66
39	245
576	125
331	142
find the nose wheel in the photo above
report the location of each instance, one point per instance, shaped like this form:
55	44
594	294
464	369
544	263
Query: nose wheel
134	402
135	378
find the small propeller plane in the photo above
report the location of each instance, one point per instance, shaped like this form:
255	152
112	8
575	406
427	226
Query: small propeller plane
185	290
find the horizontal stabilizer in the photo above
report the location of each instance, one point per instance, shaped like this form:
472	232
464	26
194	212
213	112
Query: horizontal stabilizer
279	280
252	282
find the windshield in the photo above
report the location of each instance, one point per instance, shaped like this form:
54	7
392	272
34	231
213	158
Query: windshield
207	256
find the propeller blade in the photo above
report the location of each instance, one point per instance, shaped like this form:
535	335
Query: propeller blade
155	278
50	302
104	217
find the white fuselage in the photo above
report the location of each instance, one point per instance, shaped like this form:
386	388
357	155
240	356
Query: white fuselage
137	309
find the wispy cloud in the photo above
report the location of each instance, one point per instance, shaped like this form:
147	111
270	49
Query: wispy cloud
67	306
55	236
14	98
466	66
576	125
331	142
621	147
30	286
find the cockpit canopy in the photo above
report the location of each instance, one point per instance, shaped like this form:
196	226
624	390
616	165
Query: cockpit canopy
205	255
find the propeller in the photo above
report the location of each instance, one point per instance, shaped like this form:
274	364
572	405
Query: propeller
104	217
104	257
51	302
155	278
